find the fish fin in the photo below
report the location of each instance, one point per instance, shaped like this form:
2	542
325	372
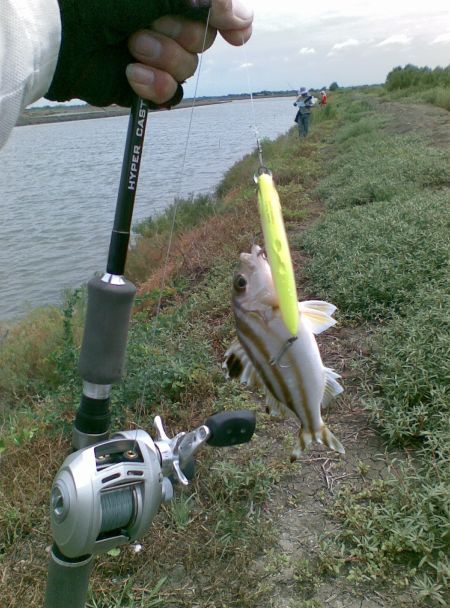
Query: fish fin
304	441
275	408
318	314
324	436
332	386
238	365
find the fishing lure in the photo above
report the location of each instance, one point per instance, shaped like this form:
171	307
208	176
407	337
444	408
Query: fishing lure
277	249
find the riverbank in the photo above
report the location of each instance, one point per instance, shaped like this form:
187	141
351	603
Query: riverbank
360	198
36	116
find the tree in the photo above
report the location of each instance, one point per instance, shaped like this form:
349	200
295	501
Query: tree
333	86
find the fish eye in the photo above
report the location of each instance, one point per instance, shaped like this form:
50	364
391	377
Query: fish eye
240	282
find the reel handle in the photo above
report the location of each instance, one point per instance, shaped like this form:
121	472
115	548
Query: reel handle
230	428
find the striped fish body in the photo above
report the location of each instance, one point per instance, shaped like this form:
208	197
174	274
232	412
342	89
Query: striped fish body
290	372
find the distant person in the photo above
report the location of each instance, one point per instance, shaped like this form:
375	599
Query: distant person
100	52
305	102
323	98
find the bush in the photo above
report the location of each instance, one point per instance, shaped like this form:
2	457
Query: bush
412	76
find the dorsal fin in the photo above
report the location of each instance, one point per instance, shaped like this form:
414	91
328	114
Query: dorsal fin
318	314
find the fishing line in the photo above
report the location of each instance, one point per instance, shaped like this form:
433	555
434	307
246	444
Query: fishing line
252	104
172	227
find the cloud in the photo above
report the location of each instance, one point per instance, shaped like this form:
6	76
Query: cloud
247	64
306	51
441	39
342	45
395	39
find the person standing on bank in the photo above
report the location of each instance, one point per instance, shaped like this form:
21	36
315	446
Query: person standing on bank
304	103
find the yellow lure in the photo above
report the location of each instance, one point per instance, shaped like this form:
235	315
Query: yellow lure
277	249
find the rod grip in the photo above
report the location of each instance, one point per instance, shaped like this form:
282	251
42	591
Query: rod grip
67	581
102	357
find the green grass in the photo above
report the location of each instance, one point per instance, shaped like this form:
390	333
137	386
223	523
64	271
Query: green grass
410	384
394	531
381	255
370	261
378	168
182	215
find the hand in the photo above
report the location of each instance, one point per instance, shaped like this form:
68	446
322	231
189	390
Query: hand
167	52
102	40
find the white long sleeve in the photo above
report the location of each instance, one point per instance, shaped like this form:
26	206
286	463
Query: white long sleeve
30	37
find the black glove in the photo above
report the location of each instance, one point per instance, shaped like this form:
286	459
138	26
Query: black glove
94	53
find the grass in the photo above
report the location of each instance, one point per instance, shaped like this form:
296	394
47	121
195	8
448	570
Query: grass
369	260
378	168
381	255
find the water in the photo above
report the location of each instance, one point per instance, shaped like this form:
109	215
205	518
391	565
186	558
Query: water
58	186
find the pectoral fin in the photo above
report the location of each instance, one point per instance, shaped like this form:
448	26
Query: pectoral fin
318	314
238	365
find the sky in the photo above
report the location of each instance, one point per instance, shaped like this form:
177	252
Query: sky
312	44
351	42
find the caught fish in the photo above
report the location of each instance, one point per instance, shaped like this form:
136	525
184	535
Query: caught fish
288	368
277	248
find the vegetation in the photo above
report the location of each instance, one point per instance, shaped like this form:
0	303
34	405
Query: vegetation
379	251
412	76
381	255
421	84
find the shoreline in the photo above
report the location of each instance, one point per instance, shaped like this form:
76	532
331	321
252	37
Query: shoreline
38	116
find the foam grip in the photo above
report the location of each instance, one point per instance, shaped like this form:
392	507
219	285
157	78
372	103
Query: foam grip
102	357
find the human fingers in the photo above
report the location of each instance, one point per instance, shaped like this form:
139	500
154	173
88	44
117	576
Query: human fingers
152	84
193	36
233	19
158	51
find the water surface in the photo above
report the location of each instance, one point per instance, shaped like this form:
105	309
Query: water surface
58	186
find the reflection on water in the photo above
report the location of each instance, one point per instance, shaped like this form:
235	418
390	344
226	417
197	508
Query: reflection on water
58	184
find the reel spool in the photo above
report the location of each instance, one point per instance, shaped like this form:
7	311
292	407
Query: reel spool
106	495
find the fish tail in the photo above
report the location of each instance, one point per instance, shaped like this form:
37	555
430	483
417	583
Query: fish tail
324	435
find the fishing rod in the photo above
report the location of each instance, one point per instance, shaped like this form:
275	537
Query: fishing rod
108	491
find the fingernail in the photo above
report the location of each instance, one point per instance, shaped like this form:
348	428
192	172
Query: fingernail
242	11
140	74
145	44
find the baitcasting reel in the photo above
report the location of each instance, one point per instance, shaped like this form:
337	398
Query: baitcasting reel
107	494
